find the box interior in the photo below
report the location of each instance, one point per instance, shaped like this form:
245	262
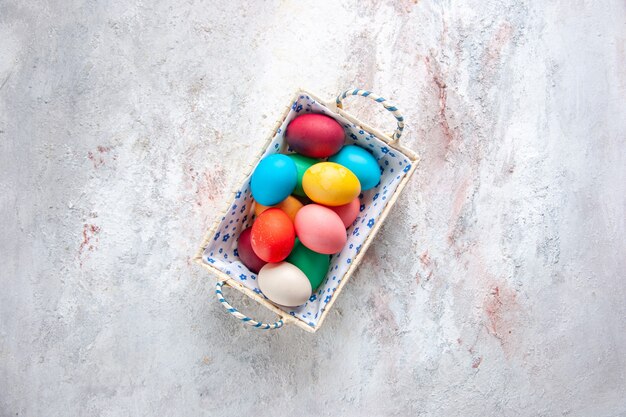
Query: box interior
221	252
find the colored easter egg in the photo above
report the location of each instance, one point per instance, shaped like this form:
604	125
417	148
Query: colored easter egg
361	163
313	264
315	135
348	212
302	164
273	179
320	229
289	205
330	184
284	284
246	253
273	235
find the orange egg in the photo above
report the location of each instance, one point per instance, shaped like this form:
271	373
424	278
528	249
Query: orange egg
289	205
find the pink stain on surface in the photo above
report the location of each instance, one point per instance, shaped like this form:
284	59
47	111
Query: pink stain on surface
502	310
498	43
425	268
476	362
90	240
98	157
207	186
434	70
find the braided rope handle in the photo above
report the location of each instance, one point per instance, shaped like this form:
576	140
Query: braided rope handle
257	324
386	104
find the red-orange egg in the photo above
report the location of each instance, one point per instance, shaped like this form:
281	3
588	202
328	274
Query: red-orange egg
273	235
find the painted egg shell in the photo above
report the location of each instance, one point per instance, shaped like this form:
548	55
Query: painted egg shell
284	284
302	164
315	135
273	235
313	264
348	212
273	179
330	184
246	253
289	205
320	229
361	163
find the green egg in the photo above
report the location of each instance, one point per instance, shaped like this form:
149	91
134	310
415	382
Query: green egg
313	264
302	164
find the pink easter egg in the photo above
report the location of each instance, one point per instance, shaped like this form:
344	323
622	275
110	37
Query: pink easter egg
320	229
348	212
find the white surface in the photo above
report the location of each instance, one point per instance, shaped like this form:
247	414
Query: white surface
496	287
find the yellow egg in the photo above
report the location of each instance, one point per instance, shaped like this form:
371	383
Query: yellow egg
330	184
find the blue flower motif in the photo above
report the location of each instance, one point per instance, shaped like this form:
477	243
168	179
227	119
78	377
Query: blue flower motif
311	324
355	232
295	103
217	235
384	149
386	162
243	277
234	206
256	290
226	237
244	218
243	208
362	207
370	223
406	168
236	252
313	298
353	136
276	146
348	260
211	260
238	194
221	250
393	155
299	108
327	299
358	248
361	132
253	276
375	197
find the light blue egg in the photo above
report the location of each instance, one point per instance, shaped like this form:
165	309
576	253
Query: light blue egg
361	163
274	178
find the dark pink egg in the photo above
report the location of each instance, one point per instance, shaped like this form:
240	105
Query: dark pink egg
315	135
348	212
246	254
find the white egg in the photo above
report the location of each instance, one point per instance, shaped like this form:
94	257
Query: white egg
284	284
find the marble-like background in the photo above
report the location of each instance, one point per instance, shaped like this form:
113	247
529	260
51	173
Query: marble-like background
495	288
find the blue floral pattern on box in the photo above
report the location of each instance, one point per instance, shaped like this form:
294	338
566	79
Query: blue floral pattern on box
222	250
